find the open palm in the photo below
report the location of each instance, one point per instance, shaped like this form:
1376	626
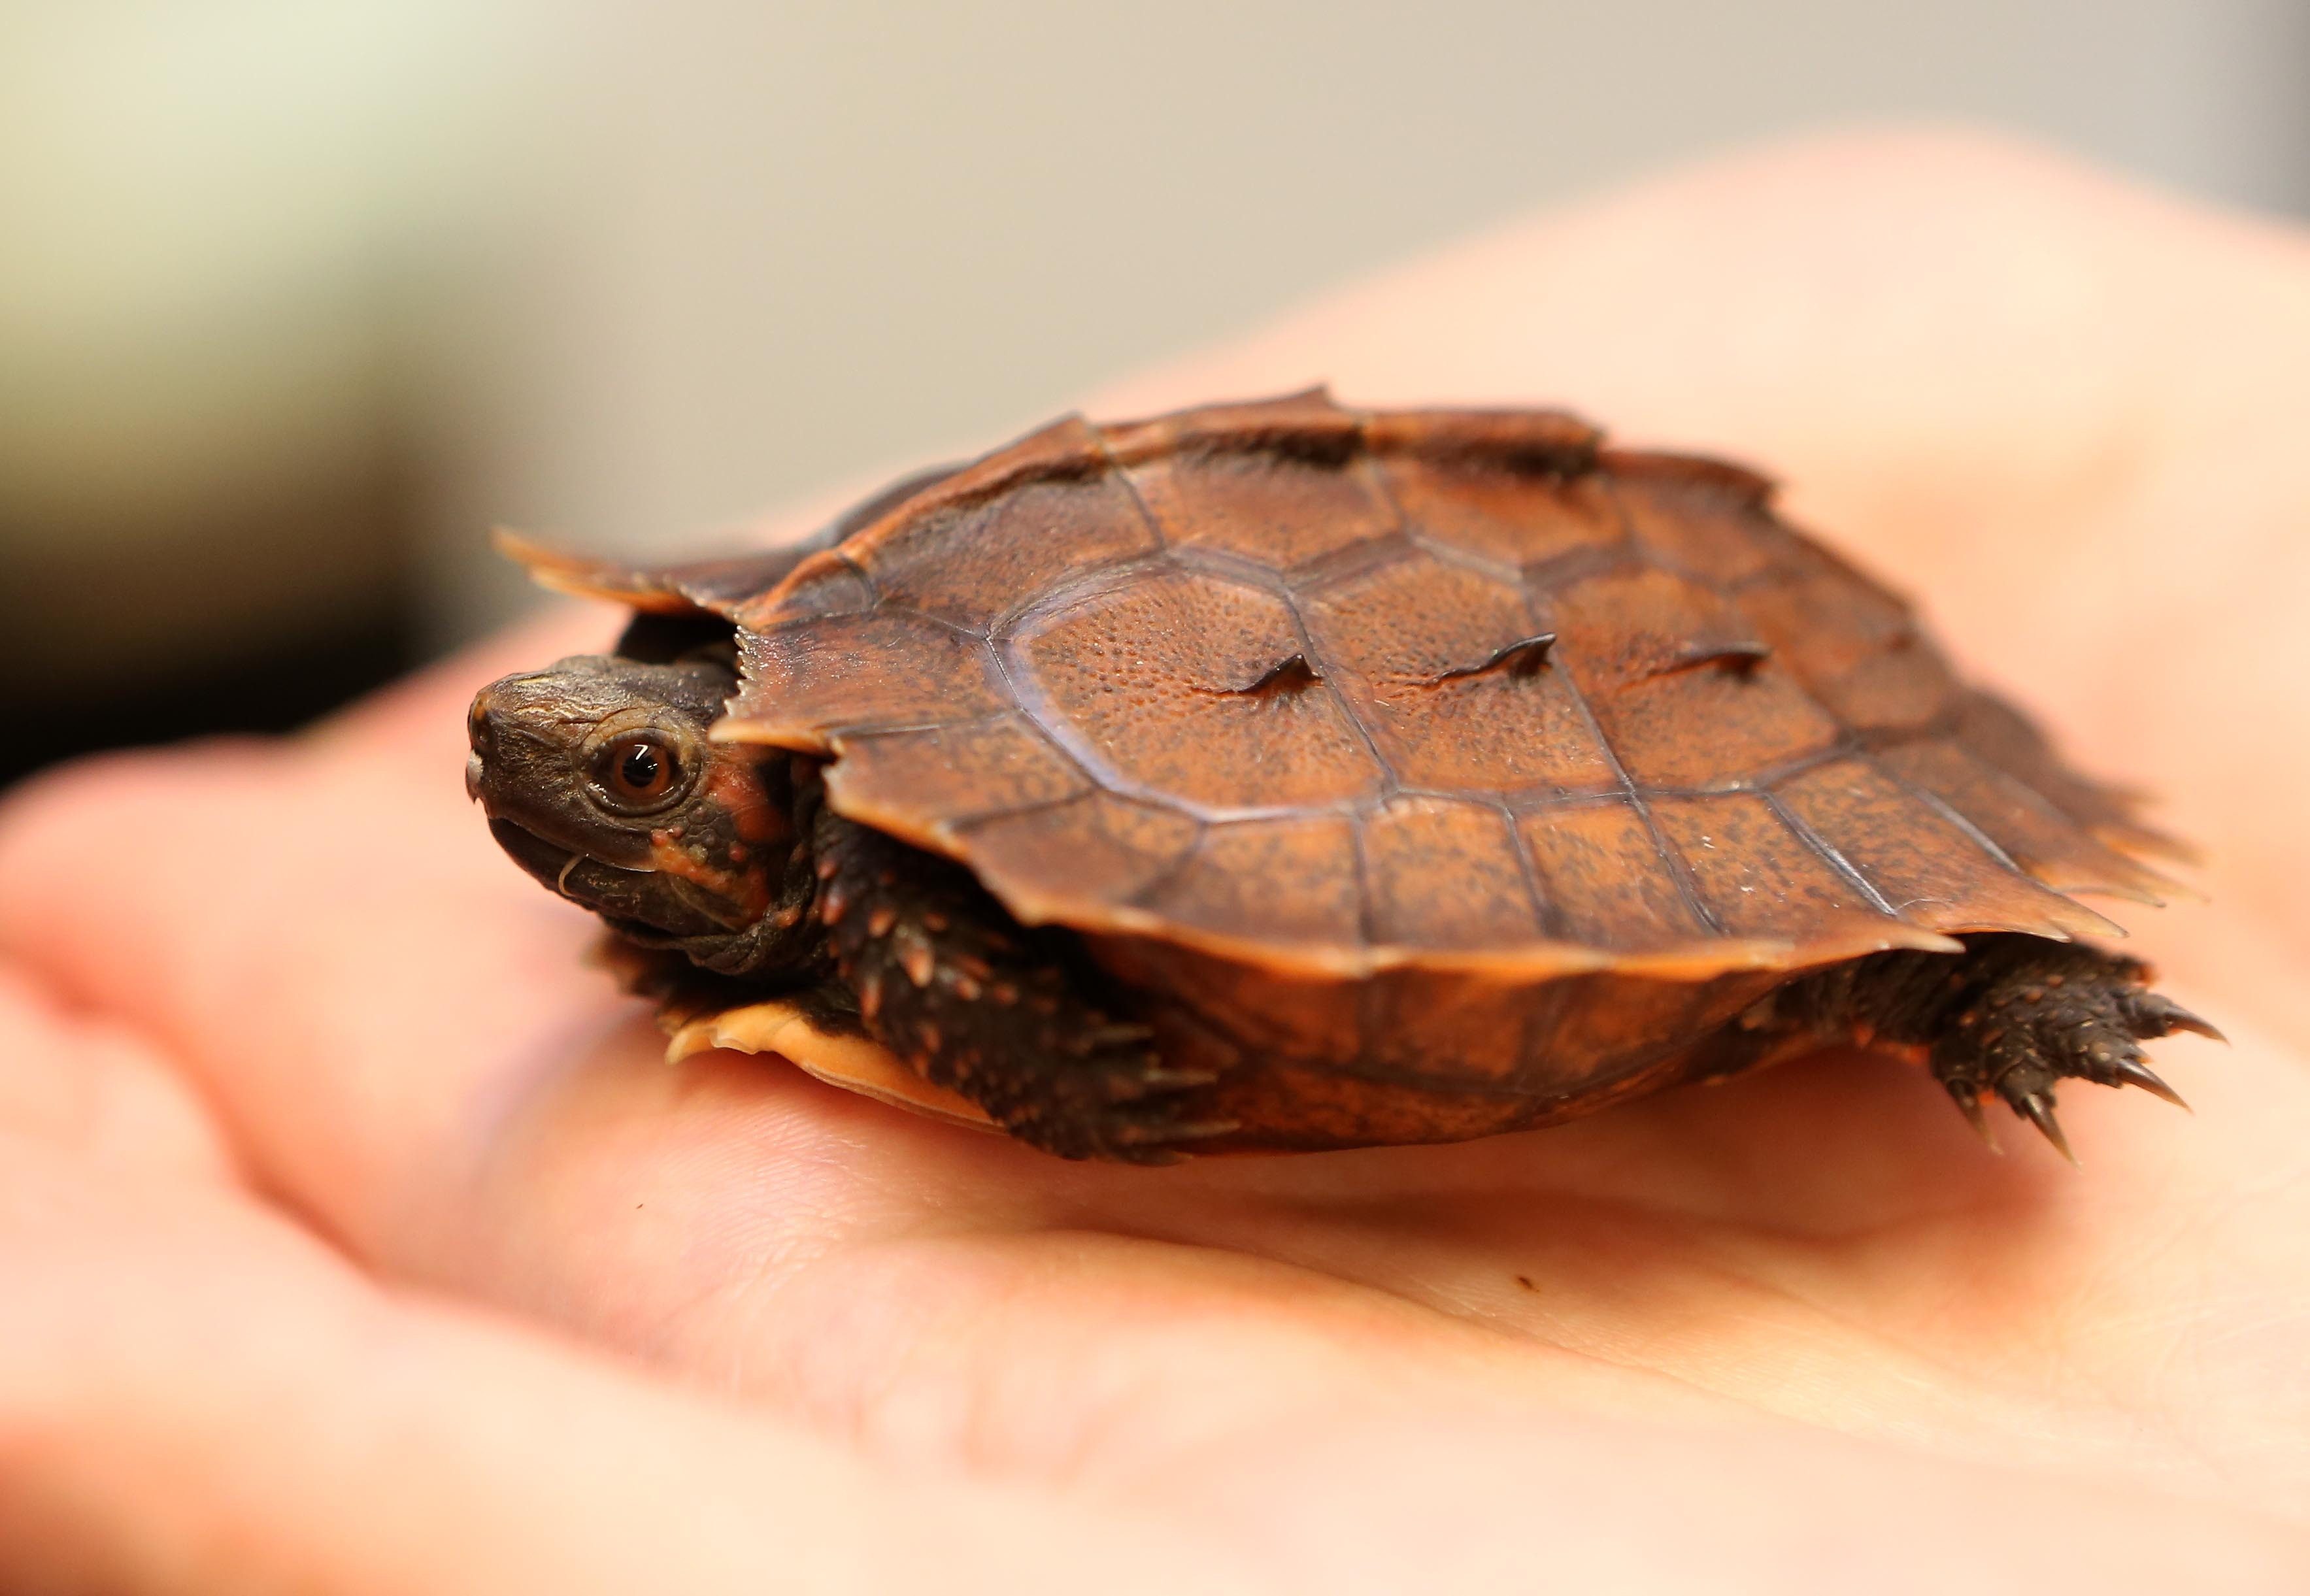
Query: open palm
326	1155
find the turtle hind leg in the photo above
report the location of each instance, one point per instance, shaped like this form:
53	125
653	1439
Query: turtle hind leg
2033	1013
2009	1018
1011	1018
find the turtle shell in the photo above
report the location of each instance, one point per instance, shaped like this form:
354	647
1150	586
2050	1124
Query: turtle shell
1333	692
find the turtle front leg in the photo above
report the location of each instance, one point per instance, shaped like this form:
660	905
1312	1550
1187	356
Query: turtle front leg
1008	1017
2008	1018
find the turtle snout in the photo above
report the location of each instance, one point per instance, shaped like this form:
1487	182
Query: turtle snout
521	732
481	738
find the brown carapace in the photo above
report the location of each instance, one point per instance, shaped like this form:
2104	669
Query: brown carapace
1384	777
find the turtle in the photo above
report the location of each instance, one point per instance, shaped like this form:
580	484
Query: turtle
1280	776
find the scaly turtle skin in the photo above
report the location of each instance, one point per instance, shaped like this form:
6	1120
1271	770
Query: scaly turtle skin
1281	776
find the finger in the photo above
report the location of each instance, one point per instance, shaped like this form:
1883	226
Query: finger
89	1086
194	1398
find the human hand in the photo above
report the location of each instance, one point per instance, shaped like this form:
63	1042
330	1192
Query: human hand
353	1235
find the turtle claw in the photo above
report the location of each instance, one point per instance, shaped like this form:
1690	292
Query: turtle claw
1968	1099
1156	1135
2154	1015
2186	1021
2037	1109
1147	1113
2130	1073
1157	1140
1160	1079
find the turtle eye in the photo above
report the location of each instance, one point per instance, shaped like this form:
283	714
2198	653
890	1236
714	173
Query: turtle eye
637	773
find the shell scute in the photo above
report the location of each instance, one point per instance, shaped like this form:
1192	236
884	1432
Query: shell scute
1713	725
1506	516
1422	652
1185	684
1606	880
1270	1016
1611	1015
1308	425
970	562
705	586
958	772
1931	872
1290	881
1758	875
1403	626
1551	442
1068	448
1445	1030
1497	731
803	683
1273	509
1619	627
1996	732
1904	689
1857	648
1711	524
2032	832
1446	873
825	583
1098	848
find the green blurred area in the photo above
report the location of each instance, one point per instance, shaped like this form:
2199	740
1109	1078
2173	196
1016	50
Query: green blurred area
296	301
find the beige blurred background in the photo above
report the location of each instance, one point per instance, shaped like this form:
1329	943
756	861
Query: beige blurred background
296	300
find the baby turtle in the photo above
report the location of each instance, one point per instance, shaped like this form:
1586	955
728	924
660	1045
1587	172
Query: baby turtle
1282	775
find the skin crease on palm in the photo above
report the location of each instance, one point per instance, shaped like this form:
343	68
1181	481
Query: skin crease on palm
354	1236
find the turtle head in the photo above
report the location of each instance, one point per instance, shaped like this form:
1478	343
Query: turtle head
598	776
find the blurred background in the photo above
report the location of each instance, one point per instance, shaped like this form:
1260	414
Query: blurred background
296	301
